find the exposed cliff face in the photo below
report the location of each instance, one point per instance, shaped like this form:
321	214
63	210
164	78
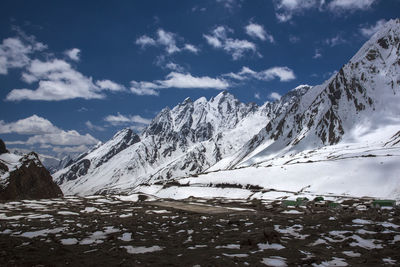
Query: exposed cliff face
25	178
2	147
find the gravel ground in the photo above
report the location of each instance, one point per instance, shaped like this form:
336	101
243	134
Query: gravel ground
105	231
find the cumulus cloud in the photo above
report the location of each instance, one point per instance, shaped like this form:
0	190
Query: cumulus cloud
284	74
191	48
45	133
257	95
236	48
286	9
145	41
257	31
135	122
174	67
275	96
350	5
369	30
167	40
178	80
73	54
110	85
29	126
334	41
15	53
63	138
57	80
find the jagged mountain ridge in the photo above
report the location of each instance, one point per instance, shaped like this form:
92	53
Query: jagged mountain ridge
184	140
364	93
223	133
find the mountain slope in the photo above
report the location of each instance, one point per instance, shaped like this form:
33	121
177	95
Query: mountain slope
357	106
362	97
185	140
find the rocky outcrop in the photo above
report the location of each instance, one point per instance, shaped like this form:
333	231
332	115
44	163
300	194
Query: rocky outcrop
29	180
2	147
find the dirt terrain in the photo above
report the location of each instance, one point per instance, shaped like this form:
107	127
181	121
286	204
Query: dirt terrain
105	231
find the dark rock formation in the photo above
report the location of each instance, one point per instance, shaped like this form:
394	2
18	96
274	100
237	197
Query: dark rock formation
30	181
2	147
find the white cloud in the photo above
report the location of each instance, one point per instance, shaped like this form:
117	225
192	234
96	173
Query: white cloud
285	9
73	54
93	127
257	95
45	133
257	31
163	38
284	74
167	39
14	53
334	41
120	119
178	80
350	5
235	47
369	30
57	80
191	48
144	88
110	85
317	54
63	138
145	41
174	67
29	126
275	96
294	39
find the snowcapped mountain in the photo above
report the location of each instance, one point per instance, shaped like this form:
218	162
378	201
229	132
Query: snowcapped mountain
362	97
185	140
357	105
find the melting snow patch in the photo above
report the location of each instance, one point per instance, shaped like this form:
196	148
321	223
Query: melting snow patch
141	250
43	232
4	217
389	261
125	215
230	246
89	209
263	246
69	241
334	262
360	221
292	212
364	243
319	241
351	253
236	255
67	213
126	237
274	261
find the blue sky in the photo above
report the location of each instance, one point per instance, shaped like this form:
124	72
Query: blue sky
72	73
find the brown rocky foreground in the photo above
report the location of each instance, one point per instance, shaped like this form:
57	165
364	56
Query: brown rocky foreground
105	231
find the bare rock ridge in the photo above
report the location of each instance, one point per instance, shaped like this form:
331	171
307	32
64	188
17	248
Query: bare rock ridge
223	133
25	178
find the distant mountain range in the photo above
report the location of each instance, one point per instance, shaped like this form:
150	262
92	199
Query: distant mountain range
222	133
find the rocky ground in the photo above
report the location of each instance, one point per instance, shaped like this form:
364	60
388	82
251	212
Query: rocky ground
106	231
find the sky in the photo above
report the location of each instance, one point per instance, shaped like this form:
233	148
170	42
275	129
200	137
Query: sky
73	73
